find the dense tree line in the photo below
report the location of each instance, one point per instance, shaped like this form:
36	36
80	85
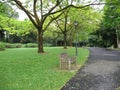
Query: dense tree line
41	12
44	13
109	32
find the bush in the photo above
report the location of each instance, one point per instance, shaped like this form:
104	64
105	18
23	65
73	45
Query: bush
17	45
2	46
47	45
31	45
9	45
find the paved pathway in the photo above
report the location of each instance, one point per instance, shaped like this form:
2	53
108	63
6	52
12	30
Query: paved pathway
101	72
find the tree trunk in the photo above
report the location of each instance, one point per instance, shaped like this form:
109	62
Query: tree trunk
115	43
65	32
70	39
70	43
1	35
65	41
40	41
118	41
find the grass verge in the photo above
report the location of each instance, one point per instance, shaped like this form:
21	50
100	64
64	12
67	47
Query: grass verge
25	69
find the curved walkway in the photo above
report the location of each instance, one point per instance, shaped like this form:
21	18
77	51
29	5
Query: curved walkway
101	72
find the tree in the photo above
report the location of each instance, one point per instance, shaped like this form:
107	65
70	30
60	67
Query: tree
88	21
62	23
15	27
42	10
111	26
34	17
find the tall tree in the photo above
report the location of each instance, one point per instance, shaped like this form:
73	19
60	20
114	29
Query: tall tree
39	11
62	24
111	22
88	21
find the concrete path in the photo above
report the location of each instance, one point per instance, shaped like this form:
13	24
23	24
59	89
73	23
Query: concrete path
101	72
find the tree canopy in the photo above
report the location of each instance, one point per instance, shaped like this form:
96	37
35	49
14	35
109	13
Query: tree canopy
109	32
40	12
6	10
111	22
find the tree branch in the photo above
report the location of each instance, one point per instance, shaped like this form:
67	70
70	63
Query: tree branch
41	8
57	4
27	12
35	12
78	7
59	26
52	21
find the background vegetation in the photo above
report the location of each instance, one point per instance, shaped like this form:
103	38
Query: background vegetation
55	27
108	35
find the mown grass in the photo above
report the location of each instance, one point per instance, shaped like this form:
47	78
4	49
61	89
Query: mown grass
25	69
118	88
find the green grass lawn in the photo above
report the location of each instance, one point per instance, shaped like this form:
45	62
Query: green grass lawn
25	69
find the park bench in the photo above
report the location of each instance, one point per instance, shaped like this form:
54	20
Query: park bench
66	61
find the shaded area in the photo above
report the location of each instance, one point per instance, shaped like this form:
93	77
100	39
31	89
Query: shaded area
101	72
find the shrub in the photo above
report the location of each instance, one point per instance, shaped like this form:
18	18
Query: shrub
2	46
17	45
47	45
31	45
9	45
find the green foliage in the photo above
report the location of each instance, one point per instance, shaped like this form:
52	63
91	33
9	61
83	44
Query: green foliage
9	45
110	26
13	26
7	11
24	69
2	46
47	44
20	30
40	15
16	45
112	14
95	40
28	45
31	45
88	21
29	38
